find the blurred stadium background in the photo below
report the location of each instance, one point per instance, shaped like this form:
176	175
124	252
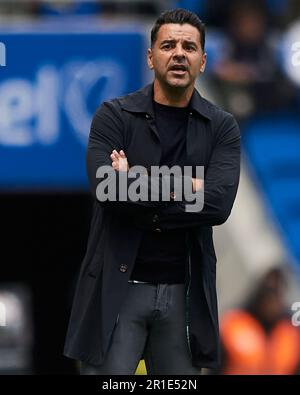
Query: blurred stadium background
58	61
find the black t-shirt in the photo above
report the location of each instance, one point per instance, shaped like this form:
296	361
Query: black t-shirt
162	255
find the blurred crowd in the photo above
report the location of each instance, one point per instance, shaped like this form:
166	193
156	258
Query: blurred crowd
215	12
259	337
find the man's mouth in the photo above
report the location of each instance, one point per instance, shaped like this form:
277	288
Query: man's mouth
178	68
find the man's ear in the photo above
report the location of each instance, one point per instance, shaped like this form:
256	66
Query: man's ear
203	63
149	59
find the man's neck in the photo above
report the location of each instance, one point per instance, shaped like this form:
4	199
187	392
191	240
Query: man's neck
172	96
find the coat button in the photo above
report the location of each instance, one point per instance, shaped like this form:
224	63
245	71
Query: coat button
123	268
155	218
173	195
147	116
158	230
191	113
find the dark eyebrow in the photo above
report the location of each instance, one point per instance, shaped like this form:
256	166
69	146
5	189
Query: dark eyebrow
167	41
190	42
173	41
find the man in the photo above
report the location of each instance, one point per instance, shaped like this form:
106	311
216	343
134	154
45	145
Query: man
147	283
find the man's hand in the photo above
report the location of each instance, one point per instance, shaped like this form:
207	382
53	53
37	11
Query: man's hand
197	184
119	161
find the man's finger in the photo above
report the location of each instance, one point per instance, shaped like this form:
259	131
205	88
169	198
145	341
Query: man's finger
116	154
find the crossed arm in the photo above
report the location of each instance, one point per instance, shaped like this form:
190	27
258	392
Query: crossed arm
120	163
221	176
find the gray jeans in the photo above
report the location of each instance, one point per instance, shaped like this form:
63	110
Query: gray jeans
151	326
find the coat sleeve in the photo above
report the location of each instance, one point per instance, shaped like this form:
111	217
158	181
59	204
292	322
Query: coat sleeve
107	133
220	185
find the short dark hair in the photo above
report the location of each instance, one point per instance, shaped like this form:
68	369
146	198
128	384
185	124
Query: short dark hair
179	16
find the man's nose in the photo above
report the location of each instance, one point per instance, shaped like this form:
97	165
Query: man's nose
178	52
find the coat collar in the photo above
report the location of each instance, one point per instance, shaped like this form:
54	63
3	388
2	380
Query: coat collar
141	102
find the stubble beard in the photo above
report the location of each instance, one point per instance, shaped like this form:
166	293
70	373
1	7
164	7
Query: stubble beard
175	83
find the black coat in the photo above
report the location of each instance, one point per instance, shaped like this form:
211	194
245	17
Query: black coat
213	141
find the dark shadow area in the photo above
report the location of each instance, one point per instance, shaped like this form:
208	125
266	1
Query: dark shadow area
43	242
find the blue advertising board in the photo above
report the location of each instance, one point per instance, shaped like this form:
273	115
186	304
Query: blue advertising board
50	86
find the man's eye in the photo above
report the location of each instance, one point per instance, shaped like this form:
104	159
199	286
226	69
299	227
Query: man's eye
166	46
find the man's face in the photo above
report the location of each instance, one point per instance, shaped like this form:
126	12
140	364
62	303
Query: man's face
176	56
